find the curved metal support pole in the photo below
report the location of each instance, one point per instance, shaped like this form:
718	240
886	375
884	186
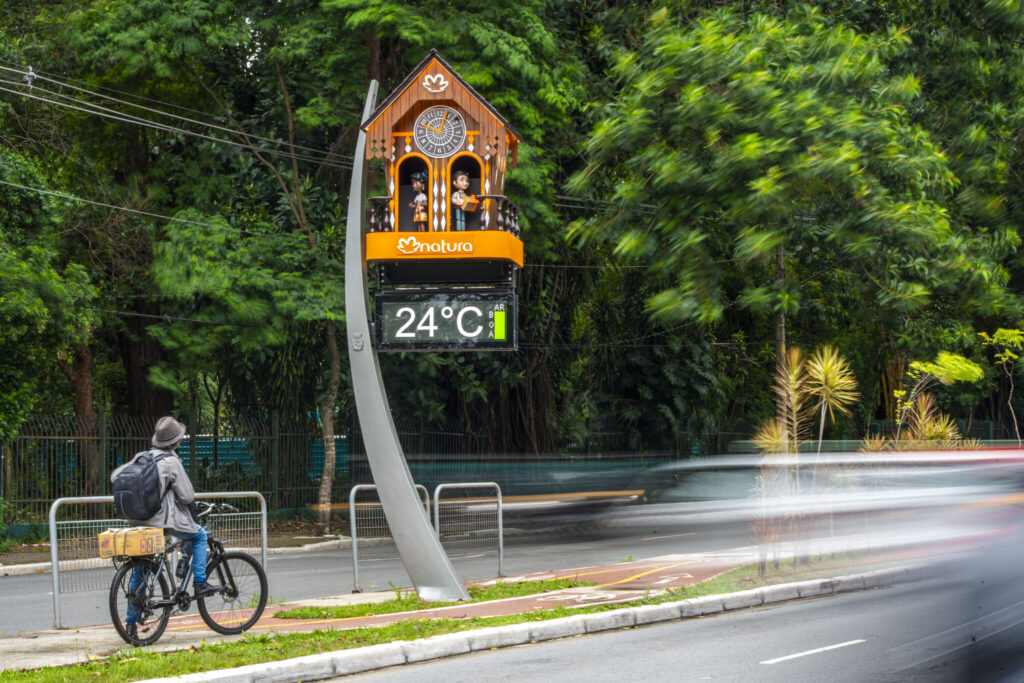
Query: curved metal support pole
422	554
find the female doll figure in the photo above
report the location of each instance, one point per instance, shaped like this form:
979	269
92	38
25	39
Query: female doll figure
419	202
461	202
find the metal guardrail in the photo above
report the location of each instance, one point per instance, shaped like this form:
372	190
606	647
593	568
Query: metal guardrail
470	525
374	522
464	525
74	551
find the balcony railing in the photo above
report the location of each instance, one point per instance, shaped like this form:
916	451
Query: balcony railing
504	212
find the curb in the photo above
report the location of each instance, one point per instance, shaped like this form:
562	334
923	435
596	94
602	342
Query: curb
93	563
359	660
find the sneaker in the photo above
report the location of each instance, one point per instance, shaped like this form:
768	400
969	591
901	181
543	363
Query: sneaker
132	629
203	589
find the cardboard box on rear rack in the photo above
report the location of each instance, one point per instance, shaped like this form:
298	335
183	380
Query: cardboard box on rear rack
133	541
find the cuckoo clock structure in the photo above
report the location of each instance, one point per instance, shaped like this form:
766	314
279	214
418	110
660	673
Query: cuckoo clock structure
445	219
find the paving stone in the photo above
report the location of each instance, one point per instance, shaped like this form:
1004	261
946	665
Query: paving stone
558	628
780	593
844	584
436	647
709	604
307	668
499	636
367	658
814	588
742	599
689	608
653	614
607	621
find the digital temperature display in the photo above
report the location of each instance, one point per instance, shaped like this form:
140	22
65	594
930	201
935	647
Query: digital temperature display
446	320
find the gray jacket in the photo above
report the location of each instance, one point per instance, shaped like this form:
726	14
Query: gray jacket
173	512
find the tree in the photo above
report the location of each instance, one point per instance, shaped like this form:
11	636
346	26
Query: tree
763	144
1007	344
830	379
947	368
46	307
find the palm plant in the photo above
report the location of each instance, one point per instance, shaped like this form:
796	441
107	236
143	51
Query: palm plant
782	435
945	369
831	380
791	394
928	428
874	443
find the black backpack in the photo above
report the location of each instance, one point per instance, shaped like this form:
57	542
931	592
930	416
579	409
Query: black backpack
137	494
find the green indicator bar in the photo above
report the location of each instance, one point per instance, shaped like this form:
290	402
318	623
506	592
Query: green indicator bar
499	324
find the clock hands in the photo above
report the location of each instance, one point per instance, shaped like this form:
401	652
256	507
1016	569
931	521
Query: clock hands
437	130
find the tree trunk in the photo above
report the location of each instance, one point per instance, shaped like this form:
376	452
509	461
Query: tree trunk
79	373
140	352
780	320
780	324
330	396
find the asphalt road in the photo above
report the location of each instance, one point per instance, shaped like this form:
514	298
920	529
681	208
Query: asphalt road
565	541
915	632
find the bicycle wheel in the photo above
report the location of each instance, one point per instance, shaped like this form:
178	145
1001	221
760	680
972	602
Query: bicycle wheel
242	597
150	586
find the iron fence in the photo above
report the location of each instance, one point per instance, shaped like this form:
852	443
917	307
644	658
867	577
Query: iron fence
471	522
369	528
60	456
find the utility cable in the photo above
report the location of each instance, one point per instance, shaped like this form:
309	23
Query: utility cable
170	318
128	118
37	75
62	195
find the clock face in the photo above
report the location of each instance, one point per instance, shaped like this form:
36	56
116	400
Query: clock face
440	132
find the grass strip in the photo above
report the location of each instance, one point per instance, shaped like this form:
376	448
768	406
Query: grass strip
409	601
138	664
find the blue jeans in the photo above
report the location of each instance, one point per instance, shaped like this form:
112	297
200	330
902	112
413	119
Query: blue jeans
198	540
141	574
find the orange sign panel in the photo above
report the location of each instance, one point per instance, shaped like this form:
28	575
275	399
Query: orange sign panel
425	246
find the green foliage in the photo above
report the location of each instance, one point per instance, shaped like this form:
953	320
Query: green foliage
747	135
1006	344
44	305
947	368
874	146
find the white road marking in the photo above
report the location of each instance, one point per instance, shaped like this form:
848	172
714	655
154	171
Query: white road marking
658	538
670	579
811	652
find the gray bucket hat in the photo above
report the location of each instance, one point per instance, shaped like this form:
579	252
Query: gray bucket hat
168	432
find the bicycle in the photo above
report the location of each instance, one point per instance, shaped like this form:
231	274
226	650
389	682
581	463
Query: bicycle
233	609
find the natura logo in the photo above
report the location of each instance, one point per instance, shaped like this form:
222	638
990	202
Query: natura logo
435	83
411	245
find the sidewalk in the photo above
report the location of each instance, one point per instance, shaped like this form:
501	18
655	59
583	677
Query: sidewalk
38	562
617	583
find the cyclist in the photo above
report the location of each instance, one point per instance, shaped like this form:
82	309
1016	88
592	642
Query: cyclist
174	516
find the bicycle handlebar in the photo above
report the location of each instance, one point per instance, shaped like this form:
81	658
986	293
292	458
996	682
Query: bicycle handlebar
204	508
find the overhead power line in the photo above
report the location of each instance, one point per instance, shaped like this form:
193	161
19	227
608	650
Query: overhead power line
62	195
171	318
35	74
31	75
318	157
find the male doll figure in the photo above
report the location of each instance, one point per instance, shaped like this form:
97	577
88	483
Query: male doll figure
461	202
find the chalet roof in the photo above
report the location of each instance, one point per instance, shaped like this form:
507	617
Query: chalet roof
410	79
